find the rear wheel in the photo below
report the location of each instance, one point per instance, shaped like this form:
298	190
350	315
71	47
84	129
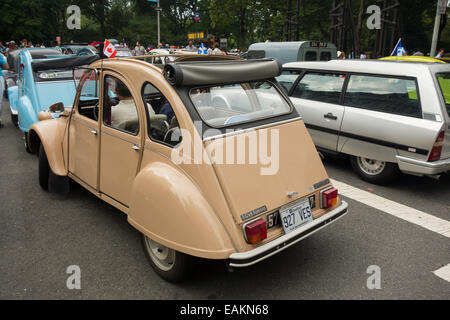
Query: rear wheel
374	171
14	119
169	264
44	168
25	141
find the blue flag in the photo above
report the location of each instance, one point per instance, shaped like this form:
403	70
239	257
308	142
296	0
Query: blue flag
399	50
202	49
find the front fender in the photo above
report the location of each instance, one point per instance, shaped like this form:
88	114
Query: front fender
27	115
13	97
170	209
51	134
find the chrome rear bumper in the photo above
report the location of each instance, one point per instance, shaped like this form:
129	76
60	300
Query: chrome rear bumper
414	166
248	258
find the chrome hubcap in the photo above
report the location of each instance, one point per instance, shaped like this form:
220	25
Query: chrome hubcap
163	257
370	166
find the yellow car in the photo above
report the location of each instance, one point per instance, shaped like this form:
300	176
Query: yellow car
412	59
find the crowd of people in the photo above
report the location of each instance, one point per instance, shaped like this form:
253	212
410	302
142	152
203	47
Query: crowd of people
211	49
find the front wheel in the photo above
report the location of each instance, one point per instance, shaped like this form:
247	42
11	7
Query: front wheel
374	171
44	168
15	119
169	264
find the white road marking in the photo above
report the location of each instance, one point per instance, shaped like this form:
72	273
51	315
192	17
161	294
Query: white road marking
398	210
443	272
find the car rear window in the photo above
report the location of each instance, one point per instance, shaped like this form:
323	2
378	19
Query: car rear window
384	94
444	83
323	87
53	75
227	105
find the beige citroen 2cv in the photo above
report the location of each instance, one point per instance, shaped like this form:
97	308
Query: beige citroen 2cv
206	158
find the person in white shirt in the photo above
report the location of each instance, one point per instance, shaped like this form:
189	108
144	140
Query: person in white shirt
216	49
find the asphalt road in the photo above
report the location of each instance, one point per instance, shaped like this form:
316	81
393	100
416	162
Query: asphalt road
41	234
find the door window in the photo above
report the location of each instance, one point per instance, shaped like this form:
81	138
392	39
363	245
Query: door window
323	87
119	108
384	94
163	126
287	79
86	82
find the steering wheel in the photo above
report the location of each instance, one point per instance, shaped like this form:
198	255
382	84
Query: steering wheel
95	114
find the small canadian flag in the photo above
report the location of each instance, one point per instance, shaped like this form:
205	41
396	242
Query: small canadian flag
109	50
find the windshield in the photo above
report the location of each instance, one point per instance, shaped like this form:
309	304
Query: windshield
444	83
52	75
227	105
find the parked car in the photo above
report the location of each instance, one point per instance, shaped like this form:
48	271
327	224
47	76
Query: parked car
412	59
385	115
79	49
43	79
188	204
123	52
293	51
11	83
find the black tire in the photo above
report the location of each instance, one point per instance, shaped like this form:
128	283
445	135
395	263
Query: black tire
386	173
44	168
181	268
14	119
25	141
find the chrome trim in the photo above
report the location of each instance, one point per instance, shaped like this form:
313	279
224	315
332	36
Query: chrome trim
422	167
279	243
223	135
321	195
116	136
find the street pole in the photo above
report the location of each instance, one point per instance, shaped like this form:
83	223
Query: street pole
158	9
437	23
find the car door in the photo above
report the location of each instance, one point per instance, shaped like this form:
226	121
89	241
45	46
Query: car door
121	134
317	98
84	130
383	118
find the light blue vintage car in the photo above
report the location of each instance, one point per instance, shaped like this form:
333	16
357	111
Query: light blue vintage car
44	77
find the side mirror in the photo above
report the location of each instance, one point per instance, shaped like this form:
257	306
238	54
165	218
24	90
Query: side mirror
57	107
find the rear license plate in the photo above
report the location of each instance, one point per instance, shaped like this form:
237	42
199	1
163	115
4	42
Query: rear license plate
296	215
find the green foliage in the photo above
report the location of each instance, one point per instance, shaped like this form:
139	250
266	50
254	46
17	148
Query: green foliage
242	22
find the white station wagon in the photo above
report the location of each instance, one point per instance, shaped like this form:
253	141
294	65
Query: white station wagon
385	115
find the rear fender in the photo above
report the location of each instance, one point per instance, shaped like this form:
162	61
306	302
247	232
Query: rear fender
169	208
51	134
13	97
27	115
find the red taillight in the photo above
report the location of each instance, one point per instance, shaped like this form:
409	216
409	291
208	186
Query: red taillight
256	231
329	198
435	153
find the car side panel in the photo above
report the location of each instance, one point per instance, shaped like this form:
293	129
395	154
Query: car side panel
324	132
381	136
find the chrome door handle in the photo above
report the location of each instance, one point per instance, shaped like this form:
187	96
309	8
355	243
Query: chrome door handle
331	116
136	147
94	132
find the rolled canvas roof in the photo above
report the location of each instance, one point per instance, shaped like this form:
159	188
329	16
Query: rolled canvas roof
63	62
220	72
